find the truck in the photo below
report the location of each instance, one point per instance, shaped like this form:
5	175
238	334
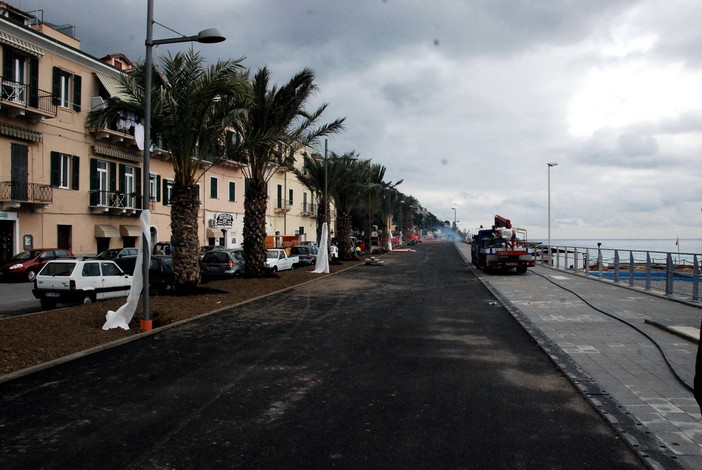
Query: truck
502	247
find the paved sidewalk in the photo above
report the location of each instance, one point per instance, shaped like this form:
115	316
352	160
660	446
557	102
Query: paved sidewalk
618	368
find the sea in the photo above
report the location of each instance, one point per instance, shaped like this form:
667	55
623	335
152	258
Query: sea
665	245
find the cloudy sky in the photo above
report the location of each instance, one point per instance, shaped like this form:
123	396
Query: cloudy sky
467	100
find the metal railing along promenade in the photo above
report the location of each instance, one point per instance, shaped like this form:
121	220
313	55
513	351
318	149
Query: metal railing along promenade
677	275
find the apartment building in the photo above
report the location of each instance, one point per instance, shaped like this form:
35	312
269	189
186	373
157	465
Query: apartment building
63	185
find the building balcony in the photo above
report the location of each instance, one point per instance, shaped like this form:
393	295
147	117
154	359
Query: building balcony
115	203
309	210
282	206
14	195
19	99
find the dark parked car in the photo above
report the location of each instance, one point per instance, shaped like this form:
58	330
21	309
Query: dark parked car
306	253
161	278
114	253
206	248
26	264
222	263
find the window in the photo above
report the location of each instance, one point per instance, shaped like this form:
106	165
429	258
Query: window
154	187
167	192
91	269
279	197
290	197
66	89
232	191
65	171
213	187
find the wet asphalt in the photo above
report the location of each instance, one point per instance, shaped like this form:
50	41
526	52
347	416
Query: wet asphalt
406	365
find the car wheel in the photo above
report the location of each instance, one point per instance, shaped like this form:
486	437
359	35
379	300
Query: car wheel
47	304
87	299
31	275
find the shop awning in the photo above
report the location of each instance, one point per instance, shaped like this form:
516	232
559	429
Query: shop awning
106	231
130	230
20	44
112	85
214	233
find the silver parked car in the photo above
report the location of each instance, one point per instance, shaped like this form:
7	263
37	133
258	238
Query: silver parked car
222	263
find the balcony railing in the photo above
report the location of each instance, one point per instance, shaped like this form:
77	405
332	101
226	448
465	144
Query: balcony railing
115	201
26	192
309	209
21	96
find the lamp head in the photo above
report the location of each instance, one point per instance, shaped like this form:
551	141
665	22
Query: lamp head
210	36
552	163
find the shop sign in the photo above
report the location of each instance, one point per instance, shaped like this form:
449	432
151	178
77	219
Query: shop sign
222	221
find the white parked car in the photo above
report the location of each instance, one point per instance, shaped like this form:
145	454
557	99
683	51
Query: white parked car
277	259
80	281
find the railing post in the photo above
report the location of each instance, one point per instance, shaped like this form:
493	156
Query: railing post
586	261
616	265
599	261
695	280
669	273
631	269
648	271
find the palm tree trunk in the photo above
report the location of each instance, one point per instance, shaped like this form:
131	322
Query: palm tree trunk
343	232
255	228
185	205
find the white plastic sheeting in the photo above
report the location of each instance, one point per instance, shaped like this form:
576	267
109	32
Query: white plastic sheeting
322	265
124	314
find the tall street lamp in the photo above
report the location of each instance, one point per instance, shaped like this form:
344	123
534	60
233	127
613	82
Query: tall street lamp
550	164
454	219
206	36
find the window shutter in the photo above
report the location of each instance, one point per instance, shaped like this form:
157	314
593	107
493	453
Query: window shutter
158	187
33	82
165	193
122	179
113	176
77	81
94	182
232	191
56	86
75	168
55	169
7	61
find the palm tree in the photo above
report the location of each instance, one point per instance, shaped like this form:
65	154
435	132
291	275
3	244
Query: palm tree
192	106
312	176
346	183
275	127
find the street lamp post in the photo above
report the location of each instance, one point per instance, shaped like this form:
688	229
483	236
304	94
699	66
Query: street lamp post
206	36
550	164
454	219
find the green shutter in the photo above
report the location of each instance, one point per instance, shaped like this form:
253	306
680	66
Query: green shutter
113	176
76	92
75	168
232	191
33	82
165	193
94	181
56	86
55	169
158	187
7	62
122	182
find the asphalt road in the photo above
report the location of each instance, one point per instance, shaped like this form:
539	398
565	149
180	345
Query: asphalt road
406	365
16	298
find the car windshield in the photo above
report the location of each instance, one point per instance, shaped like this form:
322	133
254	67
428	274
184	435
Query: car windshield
57	269
25	255
272	254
